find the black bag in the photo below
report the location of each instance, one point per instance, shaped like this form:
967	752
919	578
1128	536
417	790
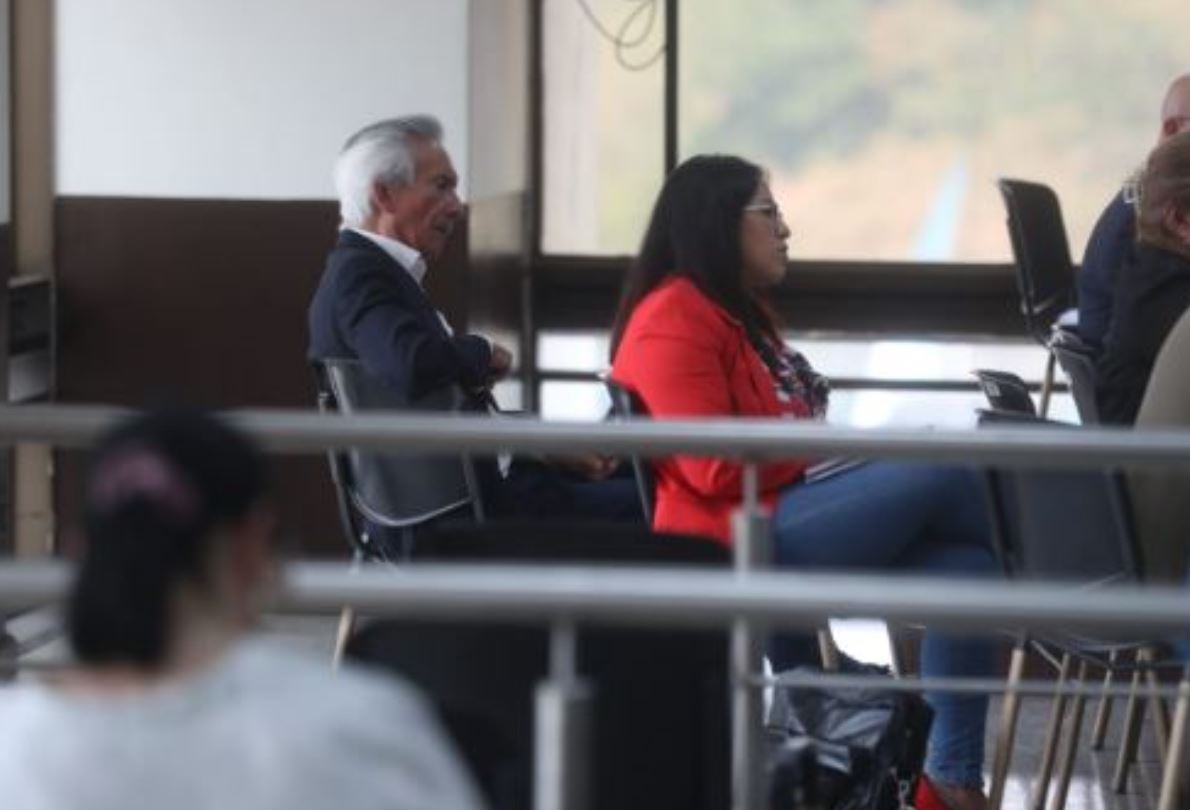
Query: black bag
868	746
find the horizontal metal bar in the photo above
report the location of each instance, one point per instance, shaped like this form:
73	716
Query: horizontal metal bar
673	596
837	383
298	431
962	686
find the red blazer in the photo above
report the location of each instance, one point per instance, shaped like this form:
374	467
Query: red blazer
684	356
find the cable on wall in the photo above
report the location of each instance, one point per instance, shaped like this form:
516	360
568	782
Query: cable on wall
643	19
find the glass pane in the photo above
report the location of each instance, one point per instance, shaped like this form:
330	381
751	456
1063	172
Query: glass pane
604	123
574	401
837	357
919	359
885	124
572	351
582	401
851	358
940	409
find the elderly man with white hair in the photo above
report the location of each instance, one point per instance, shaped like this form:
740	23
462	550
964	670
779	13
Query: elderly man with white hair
399	205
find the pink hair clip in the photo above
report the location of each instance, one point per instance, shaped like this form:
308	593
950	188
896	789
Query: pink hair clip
139	472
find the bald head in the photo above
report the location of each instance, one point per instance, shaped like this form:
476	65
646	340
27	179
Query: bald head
1175	110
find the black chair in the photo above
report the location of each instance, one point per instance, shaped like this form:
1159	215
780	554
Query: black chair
1045	272
1078	362
1075	527
661	735
386	499
626	405
388	493
1006	392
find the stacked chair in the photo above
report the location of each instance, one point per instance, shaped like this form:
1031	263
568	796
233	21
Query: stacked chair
1045	272
1077	528
1074	526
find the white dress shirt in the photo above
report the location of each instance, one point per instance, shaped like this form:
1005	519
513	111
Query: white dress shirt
411	260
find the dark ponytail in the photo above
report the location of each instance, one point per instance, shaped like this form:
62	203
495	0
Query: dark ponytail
161	485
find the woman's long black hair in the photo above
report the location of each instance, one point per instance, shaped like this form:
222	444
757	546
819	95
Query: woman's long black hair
160	487
694	231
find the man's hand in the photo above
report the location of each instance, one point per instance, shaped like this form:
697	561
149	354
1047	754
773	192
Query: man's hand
591	466
500	363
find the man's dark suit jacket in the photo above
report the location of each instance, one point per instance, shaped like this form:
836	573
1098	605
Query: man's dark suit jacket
368	307
1110	248
1151	294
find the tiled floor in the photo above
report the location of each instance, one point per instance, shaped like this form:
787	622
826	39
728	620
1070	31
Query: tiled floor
1090	787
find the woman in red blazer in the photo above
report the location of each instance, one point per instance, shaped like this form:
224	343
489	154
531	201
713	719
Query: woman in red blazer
694	338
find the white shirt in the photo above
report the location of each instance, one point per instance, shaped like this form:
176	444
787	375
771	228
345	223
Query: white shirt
408	257
266	729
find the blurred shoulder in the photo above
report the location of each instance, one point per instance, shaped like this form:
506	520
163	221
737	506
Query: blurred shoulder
290	674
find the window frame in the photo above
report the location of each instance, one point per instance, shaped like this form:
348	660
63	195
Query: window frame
931	300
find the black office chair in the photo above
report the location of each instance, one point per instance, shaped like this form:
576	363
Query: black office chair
398	493
661	734
625	405
1045	272
385	499
1075	527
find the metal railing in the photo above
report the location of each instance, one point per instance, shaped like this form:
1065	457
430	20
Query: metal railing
749	440
748	599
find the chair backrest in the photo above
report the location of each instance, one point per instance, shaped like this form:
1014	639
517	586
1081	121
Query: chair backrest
661	740
396	490
1071	525
1045	272
1077	360
1161	498
625	405
1006	392
349	519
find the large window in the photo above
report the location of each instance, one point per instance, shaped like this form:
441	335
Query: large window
884	124
604	129
867	373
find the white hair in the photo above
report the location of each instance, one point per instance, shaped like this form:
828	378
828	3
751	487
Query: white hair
378	153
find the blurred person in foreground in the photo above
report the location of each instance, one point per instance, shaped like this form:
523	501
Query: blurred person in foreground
694	337
173	703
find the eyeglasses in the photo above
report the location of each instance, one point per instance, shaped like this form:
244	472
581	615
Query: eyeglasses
769	210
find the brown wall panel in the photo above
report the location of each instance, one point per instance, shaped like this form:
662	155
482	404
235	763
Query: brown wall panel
200	301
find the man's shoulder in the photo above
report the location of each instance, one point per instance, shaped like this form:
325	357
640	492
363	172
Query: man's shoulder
358	253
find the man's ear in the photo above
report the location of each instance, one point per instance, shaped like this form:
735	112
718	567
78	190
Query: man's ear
1177	223
383	198
1169	127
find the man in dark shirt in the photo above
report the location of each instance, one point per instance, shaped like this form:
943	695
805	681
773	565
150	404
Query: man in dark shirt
1153	289
1111	243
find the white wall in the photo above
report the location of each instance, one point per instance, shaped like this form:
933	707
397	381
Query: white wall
244	98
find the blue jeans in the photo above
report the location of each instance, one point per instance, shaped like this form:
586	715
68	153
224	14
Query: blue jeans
917	519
